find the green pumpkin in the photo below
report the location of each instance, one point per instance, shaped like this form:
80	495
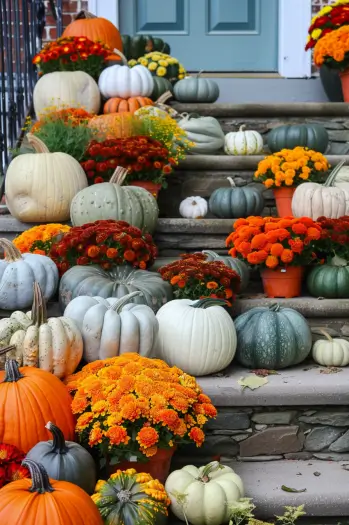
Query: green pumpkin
205	132
139	45
196	89
65	460
236	203
272	338
238	266
330	280
312	136
161	86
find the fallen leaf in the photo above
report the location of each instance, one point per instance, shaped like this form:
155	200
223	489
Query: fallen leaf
331	370
345	467
263	372
288	489
317	474
252	382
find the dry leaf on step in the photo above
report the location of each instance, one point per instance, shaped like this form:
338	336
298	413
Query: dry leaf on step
263	372
331	370
288	489
252	382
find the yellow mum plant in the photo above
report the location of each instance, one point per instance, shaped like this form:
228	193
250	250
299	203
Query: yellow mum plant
132	406
161	65
39	239
291	167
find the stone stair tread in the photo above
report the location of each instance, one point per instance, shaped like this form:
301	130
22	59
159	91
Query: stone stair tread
326	494
302	385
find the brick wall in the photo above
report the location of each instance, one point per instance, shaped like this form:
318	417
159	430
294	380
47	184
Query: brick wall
319	4
70	8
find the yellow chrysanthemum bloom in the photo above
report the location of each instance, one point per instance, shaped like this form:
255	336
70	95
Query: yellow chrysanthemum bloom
325	10
316	34
143	61
132	62
161	71
152	66
155	57
163	63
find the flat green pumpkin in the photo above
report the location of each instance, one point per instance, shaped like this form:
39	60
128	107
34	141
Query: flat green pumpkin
272	338
139	45
329	281
312	136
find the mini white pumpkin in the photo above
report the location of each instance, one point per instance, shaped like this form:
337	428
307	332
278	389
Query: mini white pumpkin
197	336
125	82
243	142
54	345
66	89
111	327
331	352
209	492
19	271
321	200
40	186
193	208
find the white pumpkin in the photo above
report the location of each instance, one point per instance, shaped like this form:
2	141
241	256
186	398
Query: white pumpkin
321	200
243	142
125	82
19	271
66	89
331	352
54	345
197	336
111	327
209	492
40	186
342	178
193	208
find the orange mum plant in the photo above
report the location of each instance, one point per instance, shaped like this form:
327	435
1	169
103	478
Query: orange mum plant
39	239
272	242
333	49
291	167
132	406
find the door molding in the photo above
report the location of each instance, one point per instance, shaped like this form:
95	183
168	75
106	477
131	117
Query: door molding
294	20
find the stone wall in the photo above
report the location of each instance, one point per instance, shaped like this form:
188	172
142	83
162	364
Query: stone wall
268	434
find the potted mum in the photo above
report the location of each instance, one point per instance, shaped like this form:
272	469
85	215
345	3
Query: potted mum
286	169
133	412
280	248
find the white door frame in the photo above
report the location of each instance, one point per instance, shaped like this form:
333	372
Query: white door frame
294	20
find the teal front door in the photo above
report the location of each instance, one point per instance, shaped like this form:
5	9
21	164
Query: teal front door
209	35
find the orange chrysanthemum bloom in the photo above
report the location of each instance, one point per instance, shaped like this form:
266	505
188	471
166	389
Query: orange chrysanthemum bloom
147	437
313	233
276	249
272	262
197	435
287	256
117	435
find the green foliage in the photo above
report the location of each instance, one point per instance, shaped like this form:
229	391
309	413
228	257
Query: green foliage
243	512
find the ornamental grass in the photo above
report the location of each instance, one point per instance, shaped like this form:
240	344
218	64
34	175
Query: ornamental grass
328	19
106	243
39	239
333	49
132	406
269	242
291	167
193	277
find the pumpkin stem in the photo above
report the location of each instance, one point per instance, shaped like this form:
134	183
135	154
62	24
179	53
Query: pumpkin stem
58	443
12	253
122	56
7	349
274	307
206	471
12	373
328	337
242	128
120	303
207	302
119	176
164	98
38	145
39	312
84	15
338	261
334	174
231	182
40	481
199	73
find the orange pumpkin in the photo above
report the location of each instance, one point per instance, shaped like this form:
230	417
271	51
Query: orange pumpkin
29	397
113	125
122	105
41	500
95	28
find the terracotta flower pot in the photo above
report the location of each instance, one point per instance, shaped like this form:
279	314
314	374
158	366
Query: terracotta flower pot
148	185
158	466
344	76
283	197
283	282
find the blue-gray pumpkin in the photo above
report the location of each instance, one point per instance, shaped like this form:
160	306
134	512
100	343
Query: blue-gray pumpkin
272	338
196	89
236	203
65	460
330	280
312	136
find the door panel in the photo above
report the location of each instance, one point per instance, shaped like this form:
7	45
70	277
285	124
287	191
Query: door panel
210	35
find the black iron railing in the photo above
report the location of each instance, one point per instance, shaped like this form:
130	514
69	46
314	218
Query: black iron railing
22	24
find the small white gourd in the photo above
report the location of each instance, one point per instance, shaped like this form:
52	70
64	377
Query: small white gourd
243	142
331	352
193	208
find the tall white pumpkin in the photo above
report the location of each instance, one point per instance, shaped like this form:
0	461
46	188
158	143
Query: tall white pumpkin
72	89
40	186
197	336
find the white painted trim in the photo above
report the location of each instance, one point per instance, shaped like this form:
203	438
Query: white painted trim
106	8
294	20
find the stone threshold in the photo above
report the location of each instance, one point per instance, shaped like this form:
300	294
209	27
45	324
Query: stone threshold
303	385
238	162
301	109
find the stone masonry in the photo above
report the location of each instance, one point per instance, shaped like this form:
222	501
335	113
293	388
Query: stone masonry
268	434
